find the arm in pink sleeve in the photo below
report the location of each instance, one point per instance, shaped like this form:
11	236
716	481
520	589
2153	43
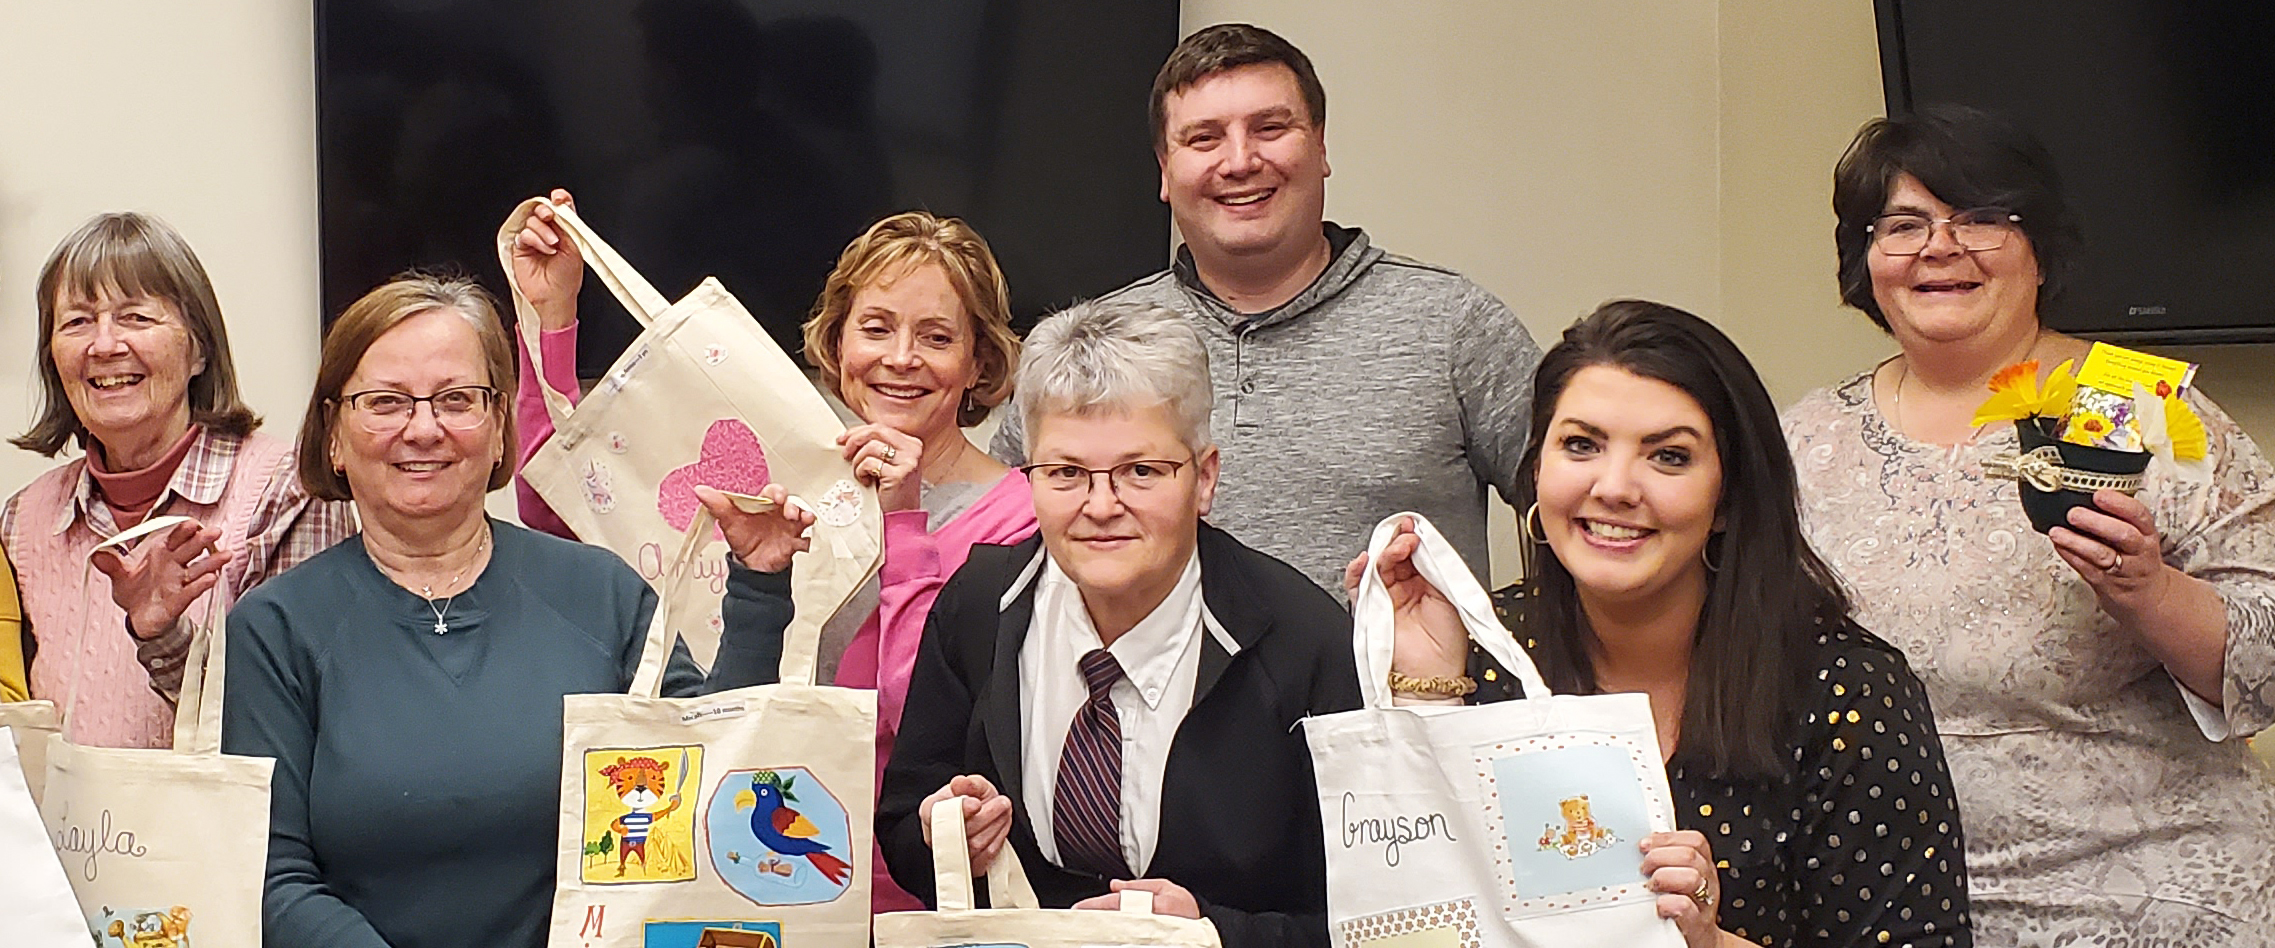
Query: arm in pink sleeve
908	580
536	424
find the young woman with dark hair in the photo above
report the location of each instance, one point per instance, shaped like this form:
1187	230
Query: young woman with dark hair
1668	559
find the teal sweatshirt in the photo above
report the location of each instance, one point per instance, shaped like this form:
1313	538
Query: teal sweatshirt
418	776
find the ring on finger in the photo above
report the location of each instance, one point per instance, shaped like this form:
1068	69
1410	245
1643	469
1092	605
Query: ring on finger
891	453
2115	563
1705	894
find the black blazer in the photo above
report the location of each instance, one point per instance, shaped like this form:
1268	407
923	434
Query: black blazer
1240	822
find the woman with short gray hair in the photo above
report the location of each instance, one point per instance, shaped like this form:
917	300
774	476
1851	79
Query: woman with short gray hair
1138	732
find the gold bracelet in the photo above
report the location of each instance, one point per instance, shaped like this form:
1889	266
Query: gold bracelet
1459	686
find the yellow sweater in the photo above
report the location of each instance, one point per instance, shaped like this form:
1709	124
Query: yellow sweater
11	636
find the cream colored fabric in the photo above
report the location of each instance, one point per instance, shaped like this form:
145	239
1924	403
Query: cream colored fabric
32	722
1495	826
1015	918
703	858
703	396
35	898
158	840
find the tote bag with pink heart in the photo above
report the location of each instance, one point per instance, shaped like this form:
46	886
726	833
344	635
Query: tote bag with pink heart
703	397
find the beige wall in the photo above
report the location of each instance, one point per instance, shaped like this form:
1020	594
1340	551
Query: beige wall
201	113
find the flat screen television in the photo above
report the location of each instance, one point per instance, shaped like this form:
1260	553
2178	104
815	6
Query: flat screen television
2161	118
744	139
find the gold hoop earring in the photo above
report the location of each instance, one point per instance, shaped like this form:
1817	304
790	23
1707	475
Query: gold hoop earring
1531	525
1711	566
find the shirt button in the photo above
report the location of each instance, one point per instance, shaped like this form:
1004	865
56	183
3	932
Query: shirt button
1152	695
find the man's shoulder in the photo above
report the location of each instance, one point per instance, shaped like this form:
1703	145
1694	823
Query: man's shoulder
1407	274
1160	288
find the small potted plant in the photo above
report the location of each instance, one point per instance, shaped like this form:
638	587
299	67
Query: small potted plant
2093	430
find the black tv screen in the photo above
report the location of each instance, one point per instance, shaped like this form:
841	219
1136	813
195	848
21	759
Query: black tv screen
744	139
2161	118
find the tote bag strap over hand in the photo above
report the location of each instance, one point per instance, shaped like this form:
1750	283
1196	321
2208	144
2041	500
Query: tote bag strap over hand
1007	884
197	715
801	646
630	288
1376	632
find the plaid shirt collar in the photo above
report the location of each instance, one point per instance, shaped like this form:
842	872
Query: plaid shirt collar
200	480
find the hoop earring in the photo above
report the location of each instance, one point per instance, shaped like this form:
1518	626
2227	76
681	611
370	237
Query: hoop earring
1711	566
1531	525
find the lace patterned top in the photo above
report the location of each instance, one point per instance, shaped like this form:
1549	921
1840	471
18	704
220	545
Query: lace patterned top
2098	809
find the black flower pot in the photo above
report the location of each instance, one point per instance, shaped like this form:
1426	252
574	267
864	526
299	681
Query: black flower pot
2050	509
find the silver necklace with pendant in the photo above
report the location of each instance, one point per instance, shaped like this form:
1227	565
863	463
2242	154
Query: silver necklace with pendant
441	622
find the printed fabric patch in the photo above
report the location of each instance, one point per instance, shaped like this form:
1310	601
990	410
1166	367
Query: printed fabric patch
1565	816
730	459
142	928
779	837
1441	925
639	826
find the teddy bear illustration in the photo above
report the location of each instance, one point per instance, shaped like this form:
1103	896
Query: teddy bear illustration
1580	835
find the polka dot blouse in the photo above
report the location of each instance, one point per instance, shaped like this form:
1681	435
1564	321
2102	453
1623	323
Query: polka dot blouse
1861	846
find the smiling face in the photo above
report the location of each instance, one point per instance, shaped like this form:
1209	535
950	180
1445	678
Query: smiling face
126	364
1122	548
1244	169
1946	293
424	470
905	355
1629	483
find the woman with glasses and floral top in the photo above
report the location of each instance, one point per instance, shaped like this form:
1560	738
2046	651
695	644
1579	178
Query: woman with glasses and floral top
134	369
2094	688
408	681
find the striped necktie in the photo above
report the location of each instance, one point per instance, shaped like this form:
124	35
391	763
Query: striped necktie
1086	810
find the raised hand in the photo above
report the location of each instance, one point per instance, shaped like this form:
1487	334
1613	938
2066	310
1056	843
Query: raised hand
548	267
887	458
767	539
1680	867
163	575
1431	643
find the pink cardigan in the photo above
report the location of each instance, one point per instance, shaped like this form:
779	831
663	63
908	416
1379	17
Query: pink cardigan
917	563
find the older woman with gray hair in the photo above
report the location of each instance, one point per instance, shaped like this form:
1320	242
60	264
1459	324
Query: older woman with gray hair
1115	697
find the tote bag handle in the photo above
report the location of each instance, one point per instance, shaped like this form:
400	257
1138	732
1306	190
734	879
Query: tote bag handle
197	728
1376	630
1007	884
629	287
799	649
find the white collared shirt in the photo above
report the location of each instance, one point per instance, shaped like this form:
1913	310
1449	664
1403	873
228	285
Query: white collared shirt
1161	662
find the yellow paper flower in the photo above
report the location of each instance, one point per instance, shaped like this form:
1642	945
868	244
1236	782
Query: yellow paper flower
2016	394
2189	441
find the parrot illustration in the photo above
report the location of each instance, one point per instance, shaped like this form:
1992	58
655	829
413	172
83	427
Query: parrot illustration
782	829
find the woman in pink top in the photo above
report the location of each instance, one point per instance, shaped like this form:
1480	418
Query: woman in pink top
133	365
913	333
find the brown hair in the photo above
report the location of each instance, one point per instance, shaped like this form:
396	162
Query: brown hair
361	325
1222	48
887	250
1968	158
130	254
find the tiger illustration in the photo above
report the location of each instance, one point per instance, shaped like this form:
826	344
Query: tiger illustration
1580	835
638	783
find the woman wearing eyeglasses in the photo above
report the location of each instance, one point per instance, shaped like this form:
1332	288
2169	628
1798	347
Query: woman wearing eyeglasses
2094	688
408	681
134	369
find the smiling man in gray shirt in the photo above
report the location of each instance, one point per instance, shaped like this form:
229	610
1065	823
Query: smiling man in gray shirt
1351	383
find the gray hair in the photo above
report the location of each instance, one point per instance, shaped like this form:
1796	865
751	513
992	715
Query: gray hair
1097	357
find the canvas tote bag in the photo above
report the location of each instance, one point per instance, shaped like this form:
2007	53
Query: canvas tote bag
32	722
37	909
1494	826
172	843
1015	921
747	811
703	396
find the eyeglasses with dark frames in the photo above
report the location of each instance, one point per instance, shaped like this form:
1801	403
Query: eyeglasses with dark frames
1905	233
386	411
1126	477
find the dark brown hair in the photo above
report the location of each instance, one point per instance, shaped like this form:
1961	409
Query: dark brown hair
1968	158
128	254
1768	590
1224	47
886	251
374	315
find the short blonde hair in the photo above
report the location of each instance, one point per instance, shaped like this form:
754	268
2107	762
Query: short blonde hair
889	248
131	254
361	325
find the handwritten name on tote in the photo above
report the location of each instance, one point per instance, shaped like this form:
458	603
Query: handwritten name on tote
712	570
1391	832
96	840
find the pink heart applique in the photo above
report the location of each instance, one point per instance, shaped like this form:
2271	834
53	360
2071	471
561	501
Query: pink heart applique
730	460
